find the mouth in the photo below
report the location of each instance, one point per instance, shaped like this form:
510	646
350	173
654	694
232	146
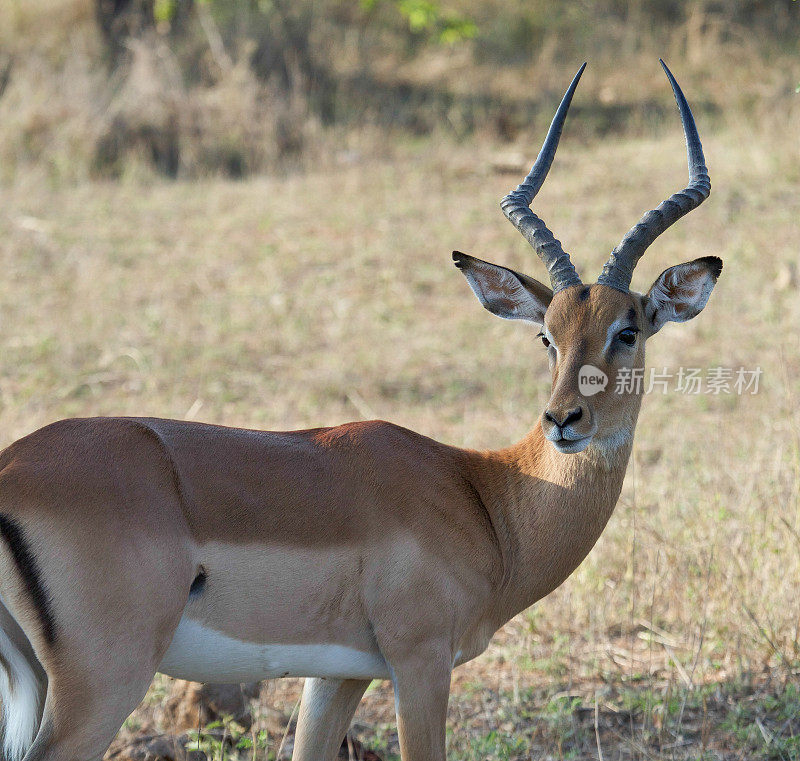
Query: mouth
571	446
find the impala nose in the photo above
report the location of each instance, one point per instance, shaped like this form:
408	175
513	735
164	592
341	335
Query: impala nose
573	416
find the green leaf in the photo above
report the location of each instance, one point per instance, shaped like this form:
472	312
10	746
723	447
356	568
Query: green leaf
164	10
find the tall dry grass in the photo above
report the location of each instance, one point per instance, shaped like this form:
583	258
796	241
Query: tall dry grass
68	114
199	105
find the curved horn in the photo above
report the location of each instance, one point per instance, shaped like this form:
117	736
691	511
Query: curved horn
618	271
516	204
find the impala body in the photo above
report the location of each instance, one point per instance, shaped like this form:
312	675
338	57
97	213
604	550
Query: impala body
135	545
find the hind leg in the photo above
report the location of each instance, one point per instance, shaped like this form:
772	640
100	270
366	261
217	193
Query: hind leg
326	710
94	685
110	635
79	724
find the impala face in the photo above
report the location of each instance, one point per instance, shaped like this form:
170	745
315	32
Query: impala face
591	328
587	329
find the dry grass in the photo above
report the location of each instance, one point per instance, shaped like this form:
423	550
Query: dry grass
322	298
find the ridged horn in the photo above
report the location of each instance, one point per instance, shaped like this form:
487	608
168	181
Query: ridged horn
618	271
516	205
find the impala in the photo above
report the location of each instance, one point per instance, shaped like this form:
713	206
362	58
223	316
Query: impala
366	551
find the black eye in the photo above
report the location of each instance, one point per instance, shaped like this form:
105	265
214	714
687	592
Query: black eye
544	339
628	336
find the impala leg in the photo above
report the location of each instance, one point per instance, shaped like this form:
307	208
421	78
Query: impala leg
78	724
108	642
326	710
422	688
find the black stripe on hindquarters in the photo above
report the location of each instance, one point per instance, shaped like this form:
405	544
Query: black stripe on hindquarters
31	577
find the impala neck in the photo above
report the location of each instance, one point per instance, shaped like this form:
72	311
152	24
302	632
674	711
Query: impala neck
548	510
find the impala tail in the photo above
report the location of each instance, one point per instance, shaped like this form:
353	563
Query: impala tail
22	679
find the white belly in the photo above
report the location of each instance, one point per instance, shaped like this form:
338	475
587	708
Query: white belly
201	654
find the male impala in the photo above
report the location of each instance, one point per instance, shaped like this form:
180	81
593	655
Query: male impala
346	554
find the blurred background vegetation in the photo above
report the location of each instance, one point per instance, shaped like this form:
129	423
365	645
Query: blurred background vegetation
195	87
241	212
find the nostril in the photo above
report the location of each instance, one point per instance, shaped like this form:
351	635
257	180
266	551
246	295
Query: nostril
571	417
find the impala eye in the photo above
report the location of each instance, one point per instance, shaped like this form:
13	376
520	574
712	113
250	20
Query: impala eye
628	336
544	339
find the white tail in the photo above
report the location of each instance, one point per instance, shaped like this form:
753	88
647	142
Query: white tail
19	696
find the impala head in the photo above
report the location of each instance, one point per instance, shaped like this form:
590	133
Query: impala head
595	334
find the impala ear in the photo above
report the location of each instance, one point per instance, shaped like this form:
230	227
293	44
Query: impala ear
503	292
680	292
